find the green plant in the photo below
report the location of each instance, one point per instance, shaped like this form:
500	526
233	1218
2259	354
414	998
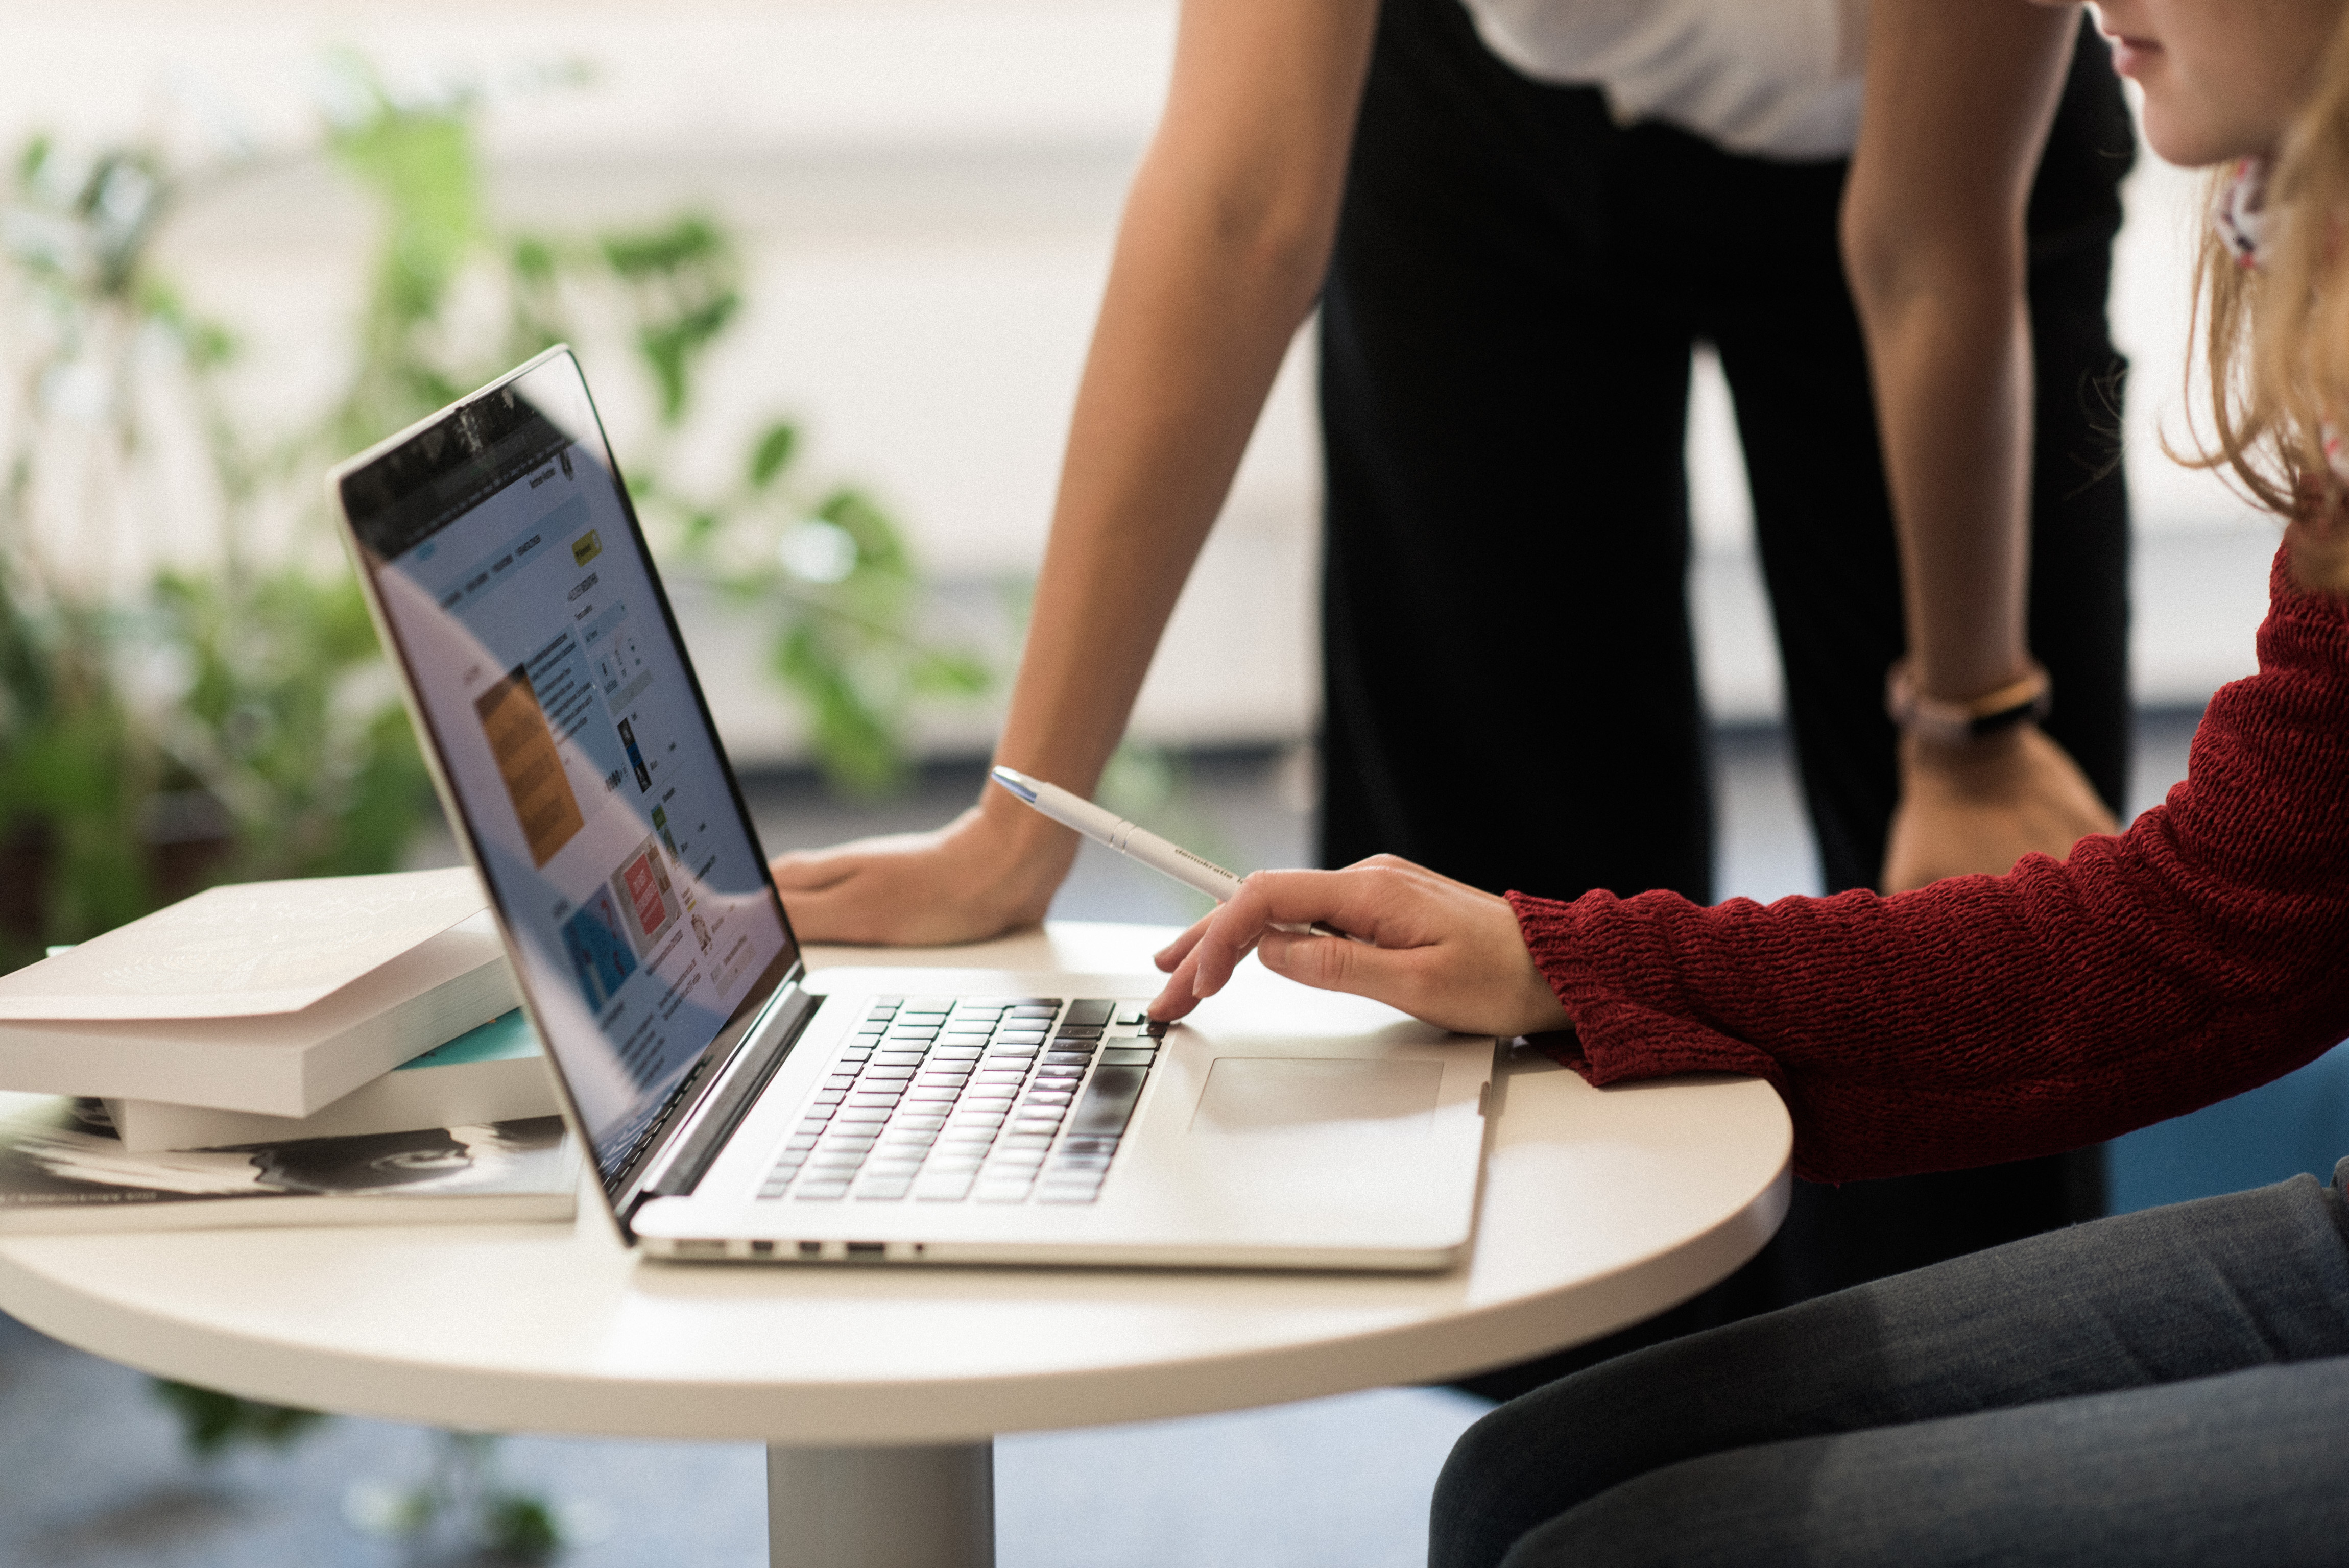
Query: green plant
169	719
825	563
163	722
462	1496
211	1422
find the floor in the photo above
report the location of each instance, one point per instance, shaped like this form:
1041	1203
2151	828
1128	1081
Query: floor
92	1475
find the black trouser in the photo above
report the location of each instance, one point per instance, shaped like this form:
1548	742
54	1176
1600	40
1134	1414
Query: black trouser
1510	689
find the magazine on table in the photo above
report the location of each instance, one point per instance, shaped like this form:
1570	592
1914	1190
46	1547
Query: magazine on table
63	1168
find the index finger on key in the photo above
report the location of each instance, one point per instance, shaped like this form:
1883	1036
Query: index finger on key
1265	900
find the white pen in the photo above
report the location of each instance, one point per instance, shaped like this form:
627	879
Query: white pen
1074	810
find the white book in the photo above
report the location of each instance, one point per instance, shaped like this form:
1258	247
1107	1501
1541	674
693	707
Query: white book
62	1168
274	997
497	1072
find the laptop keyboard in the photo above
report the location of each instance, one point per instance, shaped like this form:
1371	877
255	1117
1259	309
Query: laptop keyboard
984	1099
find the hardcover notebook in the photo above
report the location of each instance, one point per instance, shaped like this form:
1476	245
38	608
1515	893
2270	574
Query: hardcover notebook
736	1106
271	998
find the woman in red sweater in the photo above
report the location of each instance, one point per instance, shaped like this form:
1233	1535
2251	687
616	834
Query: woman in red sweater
2166	1386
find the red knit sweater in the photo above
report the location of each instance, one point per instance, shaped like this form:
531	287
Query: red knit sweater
2200	953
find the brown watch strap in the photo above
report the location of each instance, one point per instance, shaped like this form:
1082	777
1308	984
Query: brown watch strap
1951	723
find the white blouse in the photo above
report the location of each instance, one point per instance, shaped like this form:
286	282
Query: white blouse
1777	78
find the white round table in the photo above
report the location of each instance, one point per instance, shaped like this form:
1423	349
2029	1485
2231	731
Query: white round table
878	1390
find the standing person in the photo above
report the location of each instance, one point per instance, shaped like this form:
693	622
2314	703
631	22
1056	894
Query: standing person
1519	274
2157	1388
1512	275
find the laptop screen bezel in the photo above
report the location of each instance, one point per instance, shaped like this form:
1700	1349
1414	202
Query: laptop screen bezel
430	452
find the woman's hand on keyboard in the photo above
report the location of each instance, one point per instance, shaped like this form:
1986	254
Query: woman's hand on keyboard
1440	950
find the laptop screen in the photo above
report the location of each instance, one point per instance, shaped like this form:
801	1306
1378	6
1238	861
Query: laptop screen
570	728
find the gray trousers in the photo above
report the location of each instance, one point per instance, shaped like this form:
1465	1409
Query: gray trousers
2168	1387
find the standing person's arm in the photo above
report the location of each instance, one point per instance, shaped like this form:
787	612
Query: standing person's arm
1220	254
1959	98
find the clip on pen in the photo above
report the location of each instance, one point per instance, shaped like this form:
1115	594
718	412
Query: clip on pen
1074	810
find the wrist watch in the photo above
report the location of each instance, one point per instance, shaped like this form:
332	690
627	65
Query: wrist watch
1949	723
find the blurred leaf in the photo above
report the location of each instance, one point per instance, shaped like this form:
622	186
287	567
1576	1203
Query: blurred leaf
417	161
533	260
689	243
878	545
122	198
207	344
419	164
211	1422
669	346
536	314
952	675
518	1528
315	785
683	278
773	453
856	745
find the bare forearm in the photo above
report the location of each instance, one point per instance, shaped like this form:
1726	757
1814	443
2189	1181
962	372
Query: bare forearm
1960	96
1226	235
1224	240
1955	416
1189	339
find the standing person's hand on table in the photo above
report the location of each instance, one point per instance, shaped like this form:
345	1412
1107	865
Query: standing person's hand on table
1977	809
982	874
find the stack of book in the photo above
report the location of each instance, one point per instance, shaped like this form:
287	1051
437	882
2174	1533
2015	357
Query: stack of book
335	1050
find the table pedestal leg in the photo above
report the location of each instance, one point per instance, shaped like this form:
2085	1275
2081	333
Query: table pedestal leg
881	1507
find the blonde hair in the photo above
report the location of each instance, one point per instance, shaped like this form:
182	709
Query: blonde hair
2275	346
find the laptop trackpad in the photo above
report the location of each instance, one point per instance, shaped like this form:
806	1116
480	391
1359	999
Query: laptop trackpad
1318	1095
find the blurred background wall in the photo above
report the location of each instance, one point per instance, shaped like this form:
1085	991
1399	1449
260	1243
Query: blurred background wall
927	193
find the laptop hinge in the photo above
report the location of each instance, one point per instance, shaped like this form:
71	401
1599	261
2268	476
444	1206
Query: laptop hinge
722	1108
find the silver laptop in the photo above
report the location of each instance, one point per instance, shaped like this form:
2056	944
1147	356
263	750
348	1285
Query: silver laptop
739	1108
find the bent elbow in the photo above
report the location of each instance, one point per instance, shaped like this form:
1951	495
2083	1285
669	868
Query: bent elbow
1282	243
1899	255
1882	253
1869	253
1261	228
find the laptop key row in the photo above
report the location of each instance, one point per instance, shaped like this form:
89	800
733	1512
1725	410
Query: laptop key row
941	1100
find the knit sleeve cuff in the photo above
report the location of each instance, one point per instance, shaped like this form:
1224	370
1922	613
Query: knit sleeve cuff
1601	958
